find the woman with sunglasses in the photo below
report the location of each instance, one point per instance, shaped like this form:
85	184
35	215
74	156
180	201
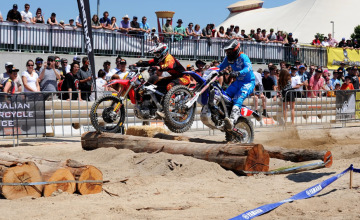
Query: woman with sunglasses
30	78
38	17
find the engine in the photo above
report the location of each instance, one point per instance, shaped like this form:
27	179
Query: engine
145	109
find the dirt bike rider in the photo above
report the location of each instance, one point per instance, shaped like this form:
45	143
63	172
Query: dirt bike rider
164	61
244	84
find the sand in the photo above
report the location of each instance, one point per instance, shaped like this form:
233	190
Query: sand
164	186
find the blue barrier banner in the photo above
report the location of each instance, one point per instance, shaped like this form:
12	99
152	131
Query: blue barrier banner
310	192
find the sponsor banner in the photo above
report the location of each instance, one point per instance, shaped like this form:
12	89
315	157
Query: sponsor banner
22	114
310	192
350	57
347	105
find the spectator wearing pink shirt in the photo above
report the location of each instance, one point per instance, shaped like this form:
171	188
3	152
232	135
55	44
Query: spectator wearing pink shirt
332	42
316	83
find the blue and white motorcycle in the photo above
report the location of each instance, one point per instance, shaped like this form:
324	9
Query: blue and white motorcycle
216	105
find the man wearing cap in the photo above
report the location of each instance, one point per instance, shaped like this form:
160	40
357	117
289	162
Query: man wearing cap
303	78
105	21
200	67
342	43
4	76
48	78
342	68
9	84
179	31
135	26
85	79
65	67
77	59
27	15
14	15
107	65
356	45
125	26
38	64
167	29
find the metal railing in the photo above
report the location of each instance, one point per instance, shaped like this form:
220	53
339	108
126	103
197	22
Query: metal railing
50	39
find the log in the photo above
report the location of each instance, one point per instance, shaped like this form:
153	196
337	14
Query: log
61	174
235	157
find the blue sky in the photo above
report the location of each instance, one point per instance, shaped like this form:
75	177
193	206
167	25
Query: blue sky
196	11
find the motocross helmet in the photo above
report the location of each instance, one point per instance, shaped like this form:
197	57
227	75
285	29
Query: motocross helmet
232	50
160	52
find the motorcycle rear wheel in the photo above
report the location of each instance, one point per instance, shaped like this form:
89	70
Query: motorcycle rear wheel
246	127
109	121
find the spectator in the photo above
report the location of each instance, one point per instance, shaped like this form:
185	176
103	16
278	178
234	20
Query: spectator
3	77
71	84
125	26
52	20
264	36
39	18
290	39
154	37
144	26
62	24
279	37
354	77
273	75
258	37
296	81
268	83
116	70
48	77
179	31
113	25
14	15
334	79
26	14
237	34
9	84
200	67
206	32
349	44
271	36
258	93
342	43
57	63
85	78
123	72
285	86
325	42
190	31
65	68
38	63
311	72
356	45
244	36
252	34
316	83
342	68
316	41
105	21
135	27
332	41
304	80
78	21
30	78
347	85
95	23
341	77
77	59
167	30
1	17
198	32
282	65
106	70
100	85
71	24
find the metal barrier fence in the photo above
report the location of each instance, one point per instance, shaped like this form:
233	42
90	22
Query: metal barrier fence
49	39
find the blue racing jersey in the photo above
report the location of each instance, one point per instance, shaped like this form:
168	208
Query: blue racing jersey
242	65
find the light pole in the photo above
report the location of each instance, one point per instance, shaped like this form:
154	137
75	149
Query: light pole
333	33
98	7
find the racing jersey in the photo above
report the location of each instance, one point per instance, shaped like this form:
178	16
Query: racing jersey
242	65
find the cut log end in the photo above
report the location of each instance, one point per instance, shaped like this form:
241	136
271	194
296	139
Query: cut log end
90	173
25	173
328	159
257	160
61	174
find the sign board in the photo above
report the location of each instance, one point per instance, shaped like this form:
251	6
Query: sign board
346	104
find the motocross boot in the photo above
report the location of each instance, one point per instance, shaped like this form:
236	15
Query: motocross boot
234	116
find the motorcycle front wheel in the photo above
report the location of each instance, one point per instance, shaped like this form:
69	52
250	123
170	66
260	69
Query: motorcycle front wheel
177	117
104	118
246	128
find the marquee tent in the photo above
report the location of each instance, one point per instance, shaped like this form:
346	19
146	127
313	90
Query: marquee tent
304	18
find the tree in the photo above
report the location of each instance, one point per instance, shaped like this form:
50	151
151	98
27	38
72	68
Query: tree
356	34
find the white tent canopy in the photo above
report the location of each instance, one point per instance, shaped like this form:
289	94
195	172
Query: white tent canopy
304	18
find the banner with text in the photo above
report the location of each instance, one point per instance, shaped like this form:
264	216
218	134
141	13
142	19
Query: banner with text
347	105
22	114
350	57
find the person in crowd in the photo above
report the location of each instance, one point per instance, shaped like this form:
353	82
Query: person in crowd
228	78
190	33
354	78
167	30
264	36
39	18
334	78
244	36
285	41
290	39
3	77
295	80
179	31
356	45
214	63
78	21
316	83
30	78
106	70
144	26
57	64
135	26
303	79
1	17
62	24
95	23
325	42
48	78
258	37
237	35
38	63
279	37
347	85
316	41
125	25
71	84
65	68
52	20
27	15
100	86
14	15
197	32
206	32
273	75
288	97
258	93
332	42
271	36
342	43
9	84
85	78
282	65
341	76
268	83
71	24
252	35
342	68
311	71
200	67
123	71
113	25
105	21
154	37
349	44
116	70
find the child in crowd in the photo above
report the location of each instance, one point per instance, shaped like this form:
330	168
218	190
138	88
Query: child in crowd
347	85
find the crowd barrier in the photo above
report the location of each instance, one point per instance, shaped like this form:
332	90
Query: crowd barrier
49	39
